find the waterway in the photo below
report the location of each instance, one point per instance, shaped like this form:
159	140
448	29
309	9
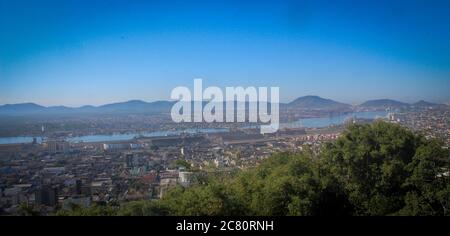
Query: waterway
306	123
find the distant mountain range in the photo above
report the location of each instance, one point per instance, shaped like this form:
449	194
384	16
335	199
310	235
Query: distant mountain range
383	103
138	106
423	103
121	107
316	102
388	103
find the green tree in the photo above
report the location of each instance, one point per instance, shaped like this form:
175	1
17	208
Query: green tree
385	168
94	210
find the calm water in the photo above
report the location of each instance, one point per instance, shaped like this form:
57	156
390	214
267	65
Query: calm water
21	139
120	137
115	137
307	123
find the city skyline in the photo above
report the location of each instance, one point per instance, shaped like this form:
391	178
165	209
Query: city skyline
73	53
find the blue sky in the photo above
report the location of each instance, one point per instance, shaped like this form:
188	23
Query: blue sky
74	52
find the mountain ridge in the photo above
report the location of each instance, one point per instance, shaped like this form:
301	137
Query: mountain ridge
302	103
128	106
383	103
316	102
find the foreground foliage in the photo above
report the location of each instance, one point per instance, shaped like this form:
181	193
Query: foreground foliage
377	169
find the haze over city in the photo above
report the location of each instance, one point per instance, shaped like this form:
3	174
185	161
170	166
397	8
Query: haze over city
78	53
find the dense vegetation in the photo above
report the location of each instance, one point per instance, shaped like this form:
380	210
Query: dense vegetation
377	169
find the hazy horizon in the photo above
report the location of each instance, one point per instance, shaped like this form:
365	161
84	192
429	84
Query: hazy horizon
171	100
76	53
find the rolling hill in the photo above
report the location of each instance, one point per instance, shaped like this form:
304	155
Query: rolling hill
383	103
316	102
130	106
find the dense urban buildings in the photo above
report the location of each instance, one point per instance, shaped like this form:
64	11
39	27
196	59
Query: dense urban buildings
57	171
